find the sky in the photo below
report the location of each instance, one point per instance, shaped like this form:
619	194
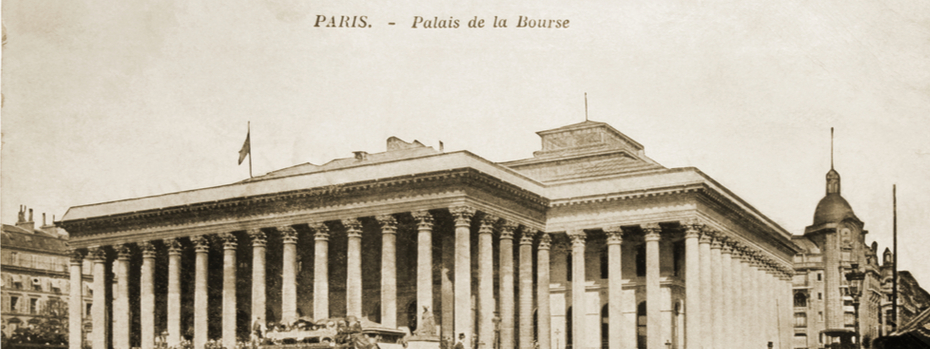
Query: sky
107	100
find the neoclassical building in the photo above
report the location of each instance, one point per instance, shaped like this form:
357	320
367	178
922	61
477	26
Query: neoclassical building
589	243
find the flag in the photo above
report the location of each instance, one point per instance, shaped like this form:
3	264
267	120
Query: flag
246	148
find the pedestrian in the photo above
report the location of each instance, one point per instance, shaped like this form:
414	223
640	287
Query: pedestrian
461	343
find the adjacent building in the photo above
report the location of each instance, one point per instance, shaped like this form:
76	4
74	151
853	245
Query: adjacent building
35	281
834	245
588	243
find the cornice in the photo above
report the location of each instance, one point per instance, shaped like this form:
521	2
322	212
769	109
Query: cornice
285	202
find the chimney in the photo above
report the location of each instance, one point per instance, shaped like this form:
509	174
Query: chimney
22	223
361	155
50	229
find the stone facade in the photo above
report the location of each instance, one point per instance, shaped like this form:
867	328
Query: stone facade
587	243
36	289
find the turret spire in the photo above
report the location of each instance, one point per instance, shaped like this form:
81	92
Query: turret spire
833	177
831	147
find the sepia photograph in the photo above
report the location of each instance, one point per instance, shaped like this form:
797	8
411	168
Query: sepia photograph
305	174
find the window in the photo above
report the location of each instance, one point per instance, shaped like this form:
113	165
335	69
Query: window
678	255
819	296
14	302
800	319
819	276
33	305
18	285
605	273
641	326
641	260
14	258
89	307
820	314
800	300
568	267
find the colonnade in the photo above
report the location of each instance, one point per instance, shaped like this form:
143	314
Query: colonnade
462	320
736	296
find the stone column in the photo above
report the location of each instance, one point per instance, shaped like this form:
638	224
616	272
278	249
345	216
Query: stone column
121	305
542	289
486	283
716	270
147	294
201	268
654	326
579	306
692	286
99	309
754	309
229	290
289	275
463	322
707	315
388	271
174	291
76	301
259	239
320	271
726	293
614	288
526	289
506	282
736	269
354	267
748	292
424	265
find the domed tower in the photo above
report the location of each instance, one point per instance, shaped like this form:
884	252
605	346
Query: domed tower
839	235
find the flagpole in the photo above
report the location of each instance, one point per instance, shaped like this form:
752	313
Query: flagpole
249	132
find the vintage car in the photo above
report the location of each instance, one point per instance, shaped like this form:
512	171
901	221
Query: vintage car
324	334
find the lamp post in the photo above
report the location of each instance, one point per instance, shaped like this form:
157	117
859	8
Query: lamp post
855	277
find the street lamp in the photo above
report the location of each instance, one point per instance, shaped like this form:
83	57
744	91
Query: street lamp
855	277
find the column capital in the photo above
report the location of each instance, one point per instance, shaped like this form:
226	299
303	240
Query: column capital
526	236
148	250
577	237
174	246
726	247
707	236
229	241
614	235
388	224
258	237
507	229
201	243
124	251
97	253
424	219
487	223
652	231
716	242
77	256
288	234
353	227
544	241
462	215
322	231
693	228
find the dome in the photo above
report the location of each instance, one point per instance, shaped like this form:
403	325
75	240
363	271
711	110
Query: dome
832	209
